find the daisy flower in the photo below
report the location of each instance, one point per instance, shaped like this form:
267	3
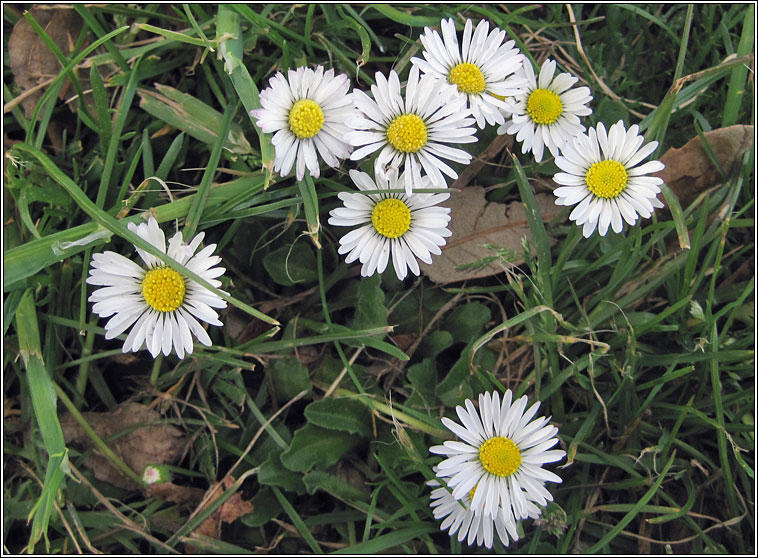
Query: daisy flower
501	455
479	67
403	226
459	517
604	177
412	133
547	113
306	115
160	305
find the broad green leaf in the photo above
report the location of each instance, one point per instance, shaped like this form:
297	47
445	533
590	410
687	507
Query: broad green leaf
454	387
317	447
273	473
319	480
290	377
434	343
467	321
341	413
423	378
369	308
265	508
291	264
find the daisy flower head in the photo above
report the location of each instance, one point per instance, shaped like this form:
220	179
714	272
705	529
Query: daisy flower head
401	226
458	517
482	66
412	133
500	455
160	305
307	115
603	177
547	113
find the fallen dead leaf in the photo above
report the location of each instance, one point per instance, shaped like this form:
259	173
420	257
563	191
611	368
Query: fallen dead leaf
228	512
475	222
147	440
31	61
689	171
178	494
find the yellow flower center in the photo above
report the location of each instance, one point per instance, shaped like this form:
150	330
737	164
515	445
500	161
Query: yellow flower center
407	133
606	179
391	218
500	456
544	106
468	77
163	289
306	118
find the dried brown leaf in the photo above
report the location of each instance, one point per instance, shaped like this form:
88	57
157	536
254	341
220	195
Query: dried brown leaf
31	61
182	495
689	171
228	512
146	440
476	222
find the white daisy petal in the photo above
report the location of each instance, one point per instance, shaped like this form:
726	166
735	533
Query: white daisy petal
307	116
403	128
477	67
603	178
153	302
397	227
496	471
546	110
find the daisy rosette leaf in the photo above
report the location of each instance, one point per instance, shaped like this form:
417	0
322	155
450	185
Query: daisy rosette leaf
458	517
162	308
414	133
547	113
307	116
499	460
392	225
603	176
482	67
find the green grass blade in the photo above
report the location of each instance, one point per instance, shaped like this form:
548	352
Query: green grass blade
198	204
738	80
636	509
42	391
229	36
119	228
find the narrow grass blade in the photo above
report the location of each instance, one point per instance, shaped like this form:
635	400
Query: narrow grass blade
191	115
119	228
738	80
198	204
310	204
635	511
229	36
42	391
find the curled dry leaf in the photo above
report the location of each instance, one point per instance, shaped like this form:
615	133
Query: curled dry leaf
476	223
228	512
146	439
31	61
689	171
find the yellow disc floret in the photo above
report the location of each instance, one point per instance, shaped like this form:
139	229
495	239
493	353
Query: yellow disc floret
306	118
544	106
468	77
606	179
391	218
407	133
163	289
500	456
